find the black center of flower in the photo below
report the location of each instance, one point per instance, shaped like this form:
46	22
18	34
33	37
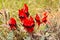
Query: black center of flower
27	13
37	20
21	17
12	24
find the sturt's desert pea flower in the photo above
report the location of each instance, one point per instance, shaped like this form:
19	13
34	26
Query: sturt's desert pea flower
37	18
12	24
44	19
29	24
23	13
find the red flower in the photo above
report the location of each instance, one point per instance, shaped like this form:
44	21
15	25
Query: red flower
29	24
44	19
45	14
12	24
22	15
25	8
37	18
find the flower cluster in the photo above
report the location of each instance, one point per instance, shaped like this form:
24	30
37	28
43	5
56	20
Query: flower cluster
27	20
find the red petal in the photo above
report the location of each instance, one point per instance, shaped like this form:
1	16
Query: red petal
25	8
37	18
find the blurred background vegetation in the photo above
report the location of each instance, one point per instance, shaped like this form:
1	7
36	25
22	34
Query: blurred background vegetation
35	6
